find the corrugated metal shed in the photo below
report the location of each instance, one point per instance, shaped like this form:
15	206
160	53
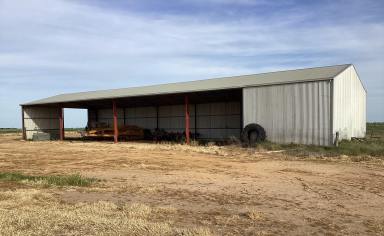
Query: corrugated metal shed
307	106
291	113
349	105
280	77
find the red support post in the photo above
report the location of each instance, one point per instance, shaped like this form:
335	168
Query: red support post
61	121
115	125
88	117
187	125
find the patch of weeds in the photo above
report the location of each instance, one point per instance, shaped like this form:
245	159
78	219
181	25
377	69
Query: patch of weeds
9	130
351	148
372	145
57	180
253	214
70	180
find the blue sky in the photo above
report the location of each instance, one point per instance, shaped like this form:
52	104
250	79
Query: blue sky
57	46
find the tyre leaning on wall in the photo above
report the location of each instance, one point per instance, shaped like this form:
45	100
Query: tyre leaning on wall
252	134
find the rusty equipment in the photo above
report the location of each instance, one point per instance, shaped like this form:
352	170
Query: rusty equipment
126	132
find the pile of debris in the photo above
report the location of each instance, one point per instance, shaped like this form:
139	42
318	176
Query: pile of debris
162	135
126	132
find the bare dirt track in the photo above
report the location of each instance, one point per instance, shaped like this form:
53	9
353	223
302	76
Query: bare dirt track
223	190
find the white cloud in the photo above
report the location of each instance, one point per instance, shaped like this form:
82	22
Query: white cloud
63	46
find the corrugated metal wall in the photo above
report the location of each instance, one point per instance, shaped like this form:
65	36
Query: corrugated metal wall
141	116
349	110
106	116
213	120
291	113
41	119
218	120
172	118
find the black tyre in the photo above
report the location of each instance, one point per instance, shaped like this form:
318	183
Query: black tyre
252	134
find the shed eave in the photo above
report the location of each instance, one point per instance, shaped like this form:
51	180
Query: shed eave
226	83
37	103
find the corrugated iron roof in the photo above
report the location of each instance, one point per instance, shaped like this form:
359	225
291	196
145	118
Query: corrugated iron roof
279	77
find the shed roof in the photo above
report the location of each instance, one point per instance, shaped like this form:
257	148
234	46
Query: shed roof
271	78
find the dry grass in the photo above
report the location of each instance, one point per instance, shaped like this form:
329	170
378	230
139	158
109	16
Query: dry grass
254	214
33	212
172	189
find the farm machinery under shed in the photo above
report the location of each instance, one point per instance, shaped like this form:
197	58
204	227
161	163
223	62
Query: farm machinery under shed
100	130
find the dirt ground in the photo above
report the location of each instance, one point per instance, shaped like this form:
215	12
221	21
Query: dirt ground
218	190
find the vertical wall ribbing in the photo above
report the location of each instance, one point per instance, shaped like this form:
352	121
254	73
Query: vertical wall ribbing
349	108
291	113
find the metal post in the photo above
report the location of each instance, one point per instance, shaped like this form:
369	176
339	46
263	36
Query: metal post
157	117
242	112
96	115
195	137
186	120
22	124
124	115
331	117
61	121
89	118
115	125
